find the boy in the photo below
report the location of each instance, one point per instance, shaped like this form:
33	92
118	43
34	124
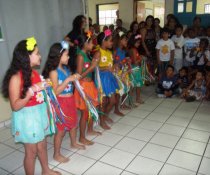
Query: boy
167	86
178	40
165	52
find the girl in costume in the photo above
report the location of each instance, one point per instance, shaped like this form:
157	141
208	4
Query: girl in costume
134	44
56	68
85	67
108	81
120	60
23	86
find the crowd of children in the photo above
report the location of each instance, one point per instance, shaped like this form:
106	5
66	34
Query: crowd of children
104	70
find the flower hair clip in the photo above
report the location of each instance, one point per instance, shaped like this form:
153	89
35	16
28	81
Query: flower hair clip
138	37
107	33
30	43
121	33
89	35
65	45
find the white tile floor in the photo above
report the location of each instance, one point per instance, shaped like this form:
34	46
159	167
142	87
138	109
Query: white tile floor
160	137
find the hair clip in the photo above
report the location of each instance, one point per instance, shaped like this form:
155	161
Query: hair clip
121	33
89	35
65	45
138	37
107	33
30	43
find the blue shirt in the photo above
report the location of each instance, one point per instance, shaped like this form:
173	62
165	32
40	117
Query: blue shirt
62	76
121	54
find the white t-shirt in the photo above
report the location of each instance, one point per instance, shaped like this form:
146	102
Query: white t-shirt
165	48
200	56
179	41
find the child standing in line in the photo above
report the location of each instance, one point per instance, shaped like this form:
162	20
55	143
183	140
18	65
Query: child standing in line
85	67
56	68
178	40
23	86
134	44
165	52
119	59
108	81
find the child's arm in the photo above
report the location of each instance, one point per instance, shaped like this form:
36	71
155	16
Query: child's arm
172	57
59	88
191	86
94	63
16	101
172	47
158	55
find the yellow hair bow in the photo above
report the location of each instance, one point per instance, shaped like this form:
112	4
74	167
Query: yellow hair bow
30	43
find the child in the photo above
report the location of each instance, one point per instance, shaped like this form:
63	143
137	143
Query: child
190	45
167	86
22	85
134	44
56	68
197	89
202	55
165	52
85	69
108	81
178	40
183	79
120	58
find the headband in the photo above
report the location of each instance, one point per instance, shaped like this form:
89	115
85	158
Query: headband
89	35
107	33
64	45
121	33
30	43
138	37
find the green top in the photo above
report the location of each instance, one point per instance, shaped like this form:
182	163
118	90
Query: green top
87	63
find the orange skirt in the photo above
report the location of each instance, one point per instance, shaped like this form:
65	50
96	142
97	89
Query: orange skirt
90	90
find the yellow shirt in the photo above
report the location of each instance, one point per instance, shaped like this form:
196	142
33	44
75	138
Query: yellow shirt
106	58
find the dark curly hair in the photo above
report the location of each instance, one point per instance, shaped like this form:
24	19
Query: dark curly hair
20	62
53	59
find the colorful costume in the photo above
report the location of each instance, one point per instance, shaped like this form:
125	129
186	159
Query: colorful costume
67	103
108	80
136	70
87	85
31	124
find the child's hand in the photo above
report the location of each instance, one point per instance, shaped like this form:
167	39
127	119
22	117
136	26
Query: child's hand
74	77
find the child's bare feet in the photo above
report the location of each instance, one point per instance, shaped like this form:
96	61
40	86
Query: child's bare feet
51	172
78	146
60	158
140	101
109	120
94	133
85	141
117	112
104	126
125	107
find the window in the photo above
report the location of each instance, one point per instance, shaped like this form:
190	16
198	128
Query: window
180	7
207	8
107	14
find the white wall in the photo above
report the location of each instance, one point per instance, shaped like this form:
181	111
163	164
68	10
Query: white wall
48	20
